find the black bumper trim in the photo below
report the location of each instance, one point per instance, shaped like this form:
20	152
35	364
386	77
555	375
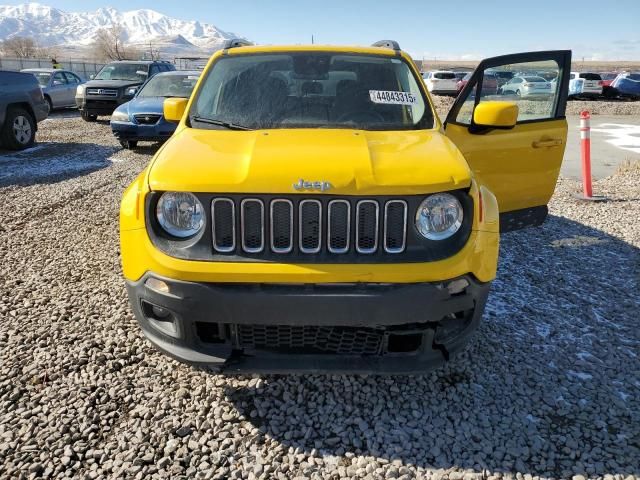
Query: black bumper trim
389	307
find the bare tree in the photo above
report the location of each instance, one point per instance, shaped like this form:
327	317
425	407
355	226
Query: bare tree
110	44
19	47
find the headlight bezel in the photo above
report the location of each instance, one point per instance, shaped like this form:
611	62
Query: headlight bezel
168	226
421	222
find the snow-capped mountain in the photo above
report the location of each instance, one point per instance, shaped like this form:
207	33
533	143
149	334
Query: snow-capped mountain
53	27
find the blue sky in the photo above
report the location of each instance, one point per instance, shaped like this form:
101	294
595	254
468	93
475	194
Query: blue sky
451	29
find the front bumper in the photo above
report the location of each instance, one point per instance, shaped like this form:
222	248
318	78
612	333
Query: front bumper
276	328
97	105
133	131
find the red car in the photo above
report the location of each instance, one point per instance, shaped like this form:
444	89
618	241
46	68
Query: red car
489	84
607	79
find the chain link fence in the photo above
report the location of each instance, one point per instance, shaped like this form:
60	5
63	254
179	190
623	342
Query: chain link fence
83	69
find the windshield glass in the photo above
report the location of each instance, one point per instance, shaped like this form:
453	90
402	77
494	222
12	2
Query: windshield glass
123	71
311	90
535	79
42	77
172	85
444	75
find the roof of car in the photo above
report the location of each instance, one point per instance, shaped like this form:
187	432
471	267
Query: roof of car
137	62
180	72
43	70
312	48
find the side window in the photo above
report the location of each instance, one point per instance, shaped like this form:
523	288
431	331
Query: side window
71	78
59	79
153	70
536	97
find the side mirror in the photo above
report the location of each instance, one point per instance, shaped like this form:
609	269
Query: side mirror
174	109
496	114
92	76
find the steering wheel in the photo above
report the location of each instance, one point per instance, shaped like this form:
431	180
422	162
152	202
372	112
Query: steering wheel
362	116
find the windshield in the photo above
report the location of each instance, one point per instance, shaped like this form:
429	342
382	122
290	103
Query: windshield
172	85
42	77
311	90
444	75
535	79
123	71
590	76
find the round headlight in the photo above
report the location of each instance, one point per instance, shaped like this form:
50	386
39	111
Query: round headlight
180	213
439	216
80	90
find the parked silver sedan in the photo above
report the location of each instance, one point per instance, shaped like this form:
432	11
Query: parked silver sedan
58	86
527	86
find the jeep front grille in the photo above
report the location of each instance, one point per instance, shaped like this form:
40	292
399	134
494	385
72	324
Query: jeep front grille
308	226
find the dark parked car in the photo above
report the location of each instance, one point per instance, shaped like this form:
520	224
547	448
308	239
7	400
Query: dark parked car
22	106
116	83
59	86
142	118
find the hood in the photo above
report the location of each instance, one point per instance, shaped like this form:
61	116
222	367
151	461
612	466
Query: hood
354	162
146	105
112	83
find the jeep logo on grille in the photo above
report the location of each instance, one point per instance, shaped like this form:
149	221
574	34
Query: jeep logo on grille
304	185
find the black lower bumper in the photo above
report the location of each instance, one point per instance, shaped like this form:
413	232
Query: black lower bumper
273	328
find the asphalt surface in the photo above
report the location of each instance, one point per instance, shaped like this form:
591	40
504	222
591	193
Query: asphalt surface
614	140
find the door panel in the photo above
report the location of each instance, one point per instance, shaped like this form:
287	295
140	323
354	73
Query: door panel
520	165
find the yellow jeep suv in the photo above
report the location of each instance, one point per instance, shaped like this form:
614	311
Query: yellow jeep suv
312	213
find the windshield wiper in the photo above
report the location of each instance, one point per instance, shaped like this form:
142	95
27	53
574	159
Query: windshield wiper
220	123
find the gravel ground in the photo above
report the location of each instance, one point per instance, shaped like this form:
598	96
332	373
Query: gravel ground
549	387
574	107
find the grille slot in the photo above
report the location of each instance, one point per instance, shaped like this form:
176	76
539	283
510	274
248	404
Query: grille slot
281	216
367	219
339	226
252	219
310	220
223	224
395	226
311	339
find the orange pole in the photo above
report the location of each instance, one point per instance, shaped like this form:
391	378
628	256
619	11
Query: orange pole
585	139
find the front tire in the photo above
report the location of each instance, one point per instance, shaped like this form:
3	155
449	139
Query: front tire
88	117
19	130
128	144
49	102
518	94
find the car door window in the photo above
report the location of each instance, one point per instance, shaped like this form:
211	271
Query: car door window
153	70
71	78
536	98
59	79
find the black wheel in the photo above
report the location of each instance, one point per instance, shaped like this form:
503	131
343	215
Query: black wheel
518	93
128	144
48	99
88	117
19	130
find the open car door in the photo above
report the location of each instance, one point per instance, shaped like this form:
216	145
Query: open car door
519	163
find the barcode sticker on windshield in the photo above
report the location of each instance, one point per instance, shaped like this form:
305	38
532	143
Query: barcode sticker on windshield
392	98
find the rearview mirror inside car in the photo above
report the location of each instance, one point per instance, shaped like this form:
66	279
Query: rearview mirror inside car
174	109
496	114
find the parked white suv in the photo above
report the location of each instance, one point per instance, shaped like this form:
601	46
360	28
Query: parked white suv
585	84
441	82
